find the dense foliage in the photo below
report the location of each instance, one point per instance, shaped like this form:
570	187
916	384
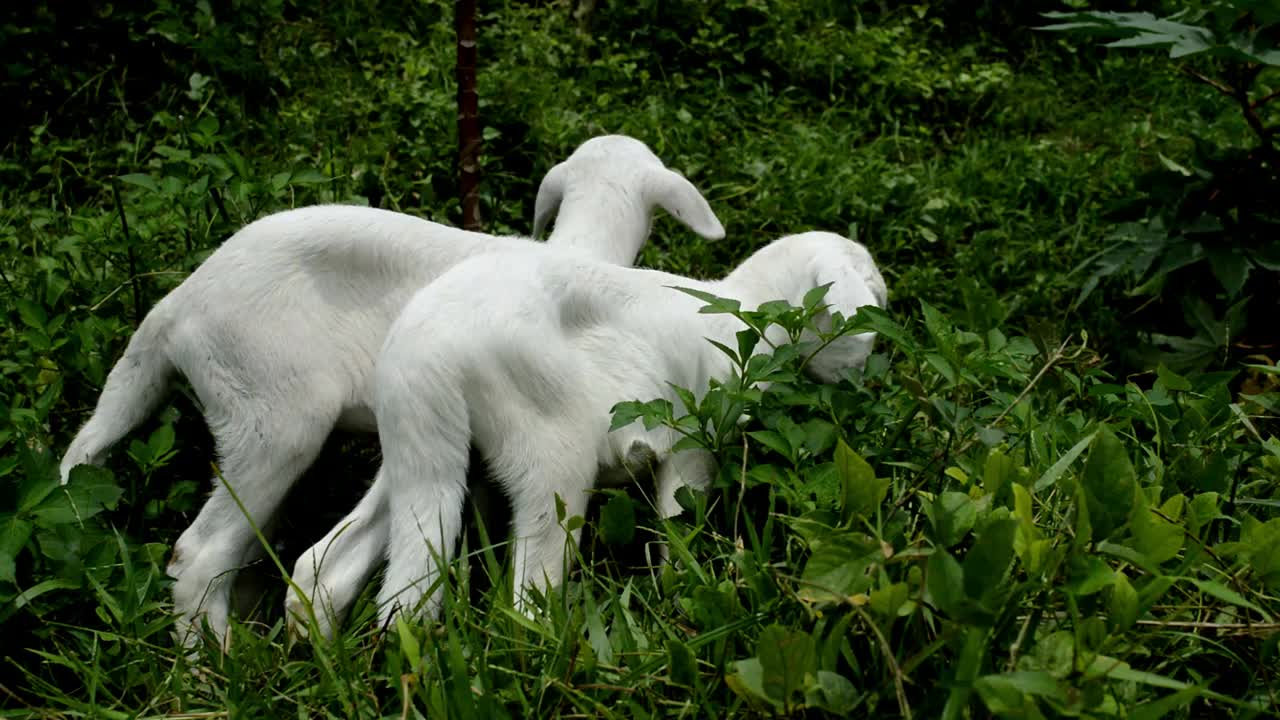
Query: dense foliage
1053	492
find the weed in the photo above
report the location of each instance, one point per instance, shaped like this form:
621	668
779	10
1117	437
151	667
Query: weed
1006	513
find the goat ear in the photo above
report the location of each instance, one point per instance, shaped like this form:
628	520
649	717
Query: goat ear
550	193
855	280
875	281
679	197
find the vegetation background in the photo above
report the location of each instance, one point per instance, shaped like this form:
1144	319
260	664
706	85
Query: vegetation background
1052	493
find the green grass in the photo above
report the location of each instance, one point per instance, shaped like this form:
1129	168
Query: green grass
1000	518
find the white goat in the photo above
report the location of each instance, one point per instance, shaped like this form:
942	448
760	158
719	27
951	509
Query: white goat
278	330
552	342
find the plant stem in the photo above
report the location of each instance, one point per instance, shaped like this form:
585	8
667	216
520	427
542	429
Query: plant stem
132	280
903	706
12	290
217	200
742	488
1265	99
133	261
1215	84
1241	94
469	135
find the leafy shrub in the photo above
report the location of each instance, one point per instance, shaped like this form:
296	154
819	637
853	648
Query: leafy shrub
858	535
990	514
1214	216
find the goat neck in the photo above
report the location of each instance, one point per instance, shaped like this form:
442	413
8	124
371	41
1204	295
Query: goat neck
615	209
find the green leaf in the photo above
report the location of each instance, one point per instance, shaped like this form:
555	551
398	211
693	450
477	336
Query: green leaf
966	672
837	569
774	441
1153	536
988	560
1156	709
307	176
1087	574
944	368
786	657
625	413
1260	543
1202	510
1127	554
747	682
952	515
819	436
618	519
652	413
728	351
1171	380
40	588
862	492
998	472
714	305
141	454
1031	548
208	125
1115	669
991	436
14	534
161	441
1174	166
31	313
93	488
1022	509
888	600
279	181
814	297
683	664
1109	485
8	568
687	399
747	340
141	180
1226	594
1053	473
1265	561
873	319
938	328
1140	30
1056	653
832	692
945	582
1122	603
1000	690
688	443
409	646
35	487
89	491
55	285
712	608
1231	268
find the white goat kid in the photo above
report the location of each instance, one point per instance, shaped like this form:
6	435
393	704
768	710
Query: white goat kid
278	330
553	342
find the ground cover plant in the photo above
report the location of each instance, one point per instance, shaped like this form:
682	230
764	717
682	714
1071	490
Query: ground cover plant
1053	491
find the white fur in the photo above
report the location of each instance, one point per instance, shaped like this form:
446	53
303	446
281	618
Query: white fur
278	330
553	342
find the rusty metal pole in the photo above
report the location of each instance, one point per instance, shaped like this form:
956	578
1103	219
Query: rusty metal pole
469	134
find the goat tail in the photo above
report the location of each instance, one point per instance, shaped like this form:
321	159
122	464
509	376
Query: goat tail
425	433
134	387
